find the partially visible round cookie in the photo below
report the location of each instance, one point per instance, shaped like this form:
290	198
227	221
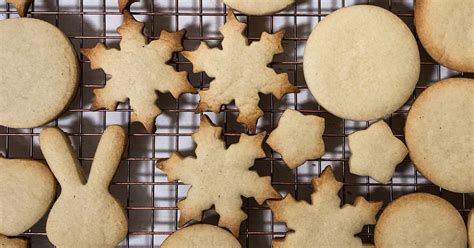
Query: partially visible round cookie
201	236
439	133
6	242
420	220
446	31
361	63
39	72
259	7
27	190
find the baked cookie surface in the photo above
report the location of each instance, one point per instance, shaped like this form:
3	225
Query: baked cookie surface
39	75
420	220
443	149
201	236
376	152
6	242
21	6
298	137
361	63
27	189
450	43
259	7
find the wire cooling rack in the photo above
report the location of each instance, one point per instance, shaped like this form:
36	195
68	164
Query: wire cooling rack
150	201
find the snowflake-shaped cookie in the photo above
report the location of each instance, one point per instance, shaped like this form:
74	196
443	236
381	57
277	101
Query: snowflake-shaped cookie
375	152
323	223
240	71
21	6
298	138
219	176
125	4
138	70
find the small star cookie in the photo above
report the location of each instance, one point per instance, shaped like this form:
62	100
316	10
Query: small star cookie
376	152
298	138
323	223
21	6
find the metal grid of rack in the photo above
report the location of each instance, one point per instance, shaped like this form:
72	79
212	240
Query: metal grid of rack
150	201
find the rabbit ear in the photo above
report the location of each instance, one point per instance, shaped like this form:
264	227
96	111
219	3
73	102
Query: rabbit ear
57	150
107	157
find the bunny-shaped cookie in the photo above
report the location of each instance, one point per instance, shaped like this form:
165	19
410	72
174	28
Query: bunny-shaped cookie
85	214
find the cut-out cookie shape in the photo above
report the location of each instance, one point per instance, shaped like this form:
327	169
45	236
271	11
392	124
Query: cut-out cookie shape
470	228
6	242
323	223
219	176
27	189
201	236
375	152
298	138
138	70
36	90
259	7
21	6
125	4
85	214
439	133
420	220
361	63
241	71
449	43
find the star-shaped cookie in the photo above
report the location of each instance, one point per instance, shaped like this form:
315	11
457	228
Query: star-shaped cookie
298	138
240	71
375	152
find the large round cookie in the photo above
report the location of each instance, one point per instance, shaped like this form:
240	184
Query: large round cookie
446	31
439	133
39	72
259	7
420	220
201	236
470	228
361	63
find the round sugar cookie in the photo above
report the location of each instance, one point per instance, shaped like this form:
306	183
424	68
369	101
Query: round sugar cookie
259	7
420	220
361	63
470	228
446	31
201	236
439	133
39	72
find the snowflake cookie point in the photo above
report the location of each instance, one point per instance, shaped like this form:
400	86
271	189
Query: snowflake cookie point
21	6
138	70
323	223
124	5
376	152
298	138
219	176
240	72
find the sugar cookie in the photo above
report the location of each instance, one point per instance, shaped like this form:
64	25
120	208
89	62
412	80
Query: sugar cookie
85	214
138	70
450	43
38	89
6	242
470	228
420	220
439	133
201	236
323	223
298	138
259	7
219	176
241	72
27	189
361	63
21	6
375	152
